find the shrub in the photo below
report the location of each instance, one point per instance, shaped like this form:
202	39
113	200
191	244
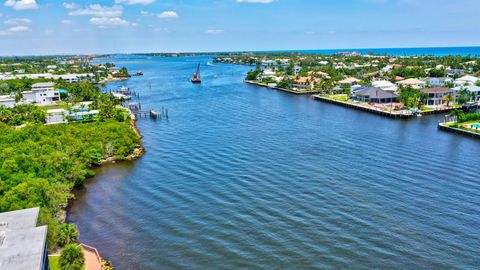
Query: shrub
71	258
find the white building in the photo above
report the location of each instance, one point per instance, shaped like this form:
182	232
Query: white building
412	82
42	94
71	78
7	101
56	116
475	90
438	82
385	85
466	80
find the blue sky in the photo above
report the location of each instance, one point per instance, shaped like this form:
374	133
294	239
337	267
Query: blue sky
107	26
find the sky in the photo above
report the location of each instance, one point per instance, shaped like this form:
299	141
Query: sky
31	27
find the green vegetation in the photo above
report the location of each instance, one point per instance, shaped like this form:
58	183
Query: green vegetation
39	165
53	262
22	114
71	258
412	98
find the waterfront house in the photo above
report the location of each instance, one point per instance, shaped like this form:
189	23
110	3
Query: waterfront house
375	95
412	82
23	245
42	93
268	73
7	101
472	89
436	96
438	82
385	85
466	80
304	83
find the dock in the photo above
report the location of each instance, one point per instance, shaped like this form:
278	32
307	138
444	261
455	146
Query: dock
396	115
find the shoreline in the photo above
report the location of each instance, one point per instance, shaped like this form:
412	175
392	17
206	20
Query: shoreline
308	92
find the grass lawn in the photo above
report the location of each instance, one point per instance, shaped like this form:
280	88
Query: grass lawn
53	260
57	106
339	97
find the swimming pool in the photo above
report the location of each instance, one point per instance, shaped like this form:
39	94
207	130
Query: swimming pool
476	126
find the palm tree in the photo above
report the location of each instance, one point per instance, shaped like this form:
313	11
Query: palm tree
71	258
448	98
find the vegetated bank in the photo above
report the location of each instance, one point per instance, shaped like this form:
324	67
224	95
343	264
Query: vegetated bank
41	164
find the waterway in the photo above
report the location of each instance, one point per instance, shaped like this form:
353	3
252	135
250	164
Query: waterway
242	177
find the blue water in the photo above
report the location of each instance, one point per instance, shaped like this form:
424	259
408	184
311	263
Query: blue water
242	177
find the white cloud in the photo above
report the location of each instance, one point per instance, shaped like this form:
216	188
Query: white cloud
14	29
168	15
214	31
146	13
17	21
21	4
106	21
67	21
94	10
134	2
255	1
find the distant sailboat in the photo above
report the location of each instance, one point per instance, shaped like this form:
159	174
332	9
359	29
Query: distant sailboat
196	76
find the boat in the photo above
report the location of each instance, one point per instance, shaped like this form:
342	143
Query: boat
196	76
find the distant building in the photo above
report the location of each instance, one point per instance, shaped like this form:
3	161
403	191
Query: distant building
474	91
438	82
268	73
23	245
7	101
414	83
436	96
375	95
296	69
455	72
385	85
304	83
42	94
349	81
466	80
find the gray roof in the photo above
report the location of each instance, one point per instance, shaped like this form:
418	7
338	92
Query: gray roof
20	219
22	244
43	84
374	92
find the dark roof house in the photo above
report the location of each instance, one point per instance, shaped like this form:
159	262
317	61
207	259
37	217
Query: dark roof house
376	95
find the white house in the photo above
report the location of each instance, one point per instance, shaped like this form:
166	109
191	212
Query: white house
412	82
385	85
475	90
466	80
438	82
56	116
268	73
42	94
7	101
